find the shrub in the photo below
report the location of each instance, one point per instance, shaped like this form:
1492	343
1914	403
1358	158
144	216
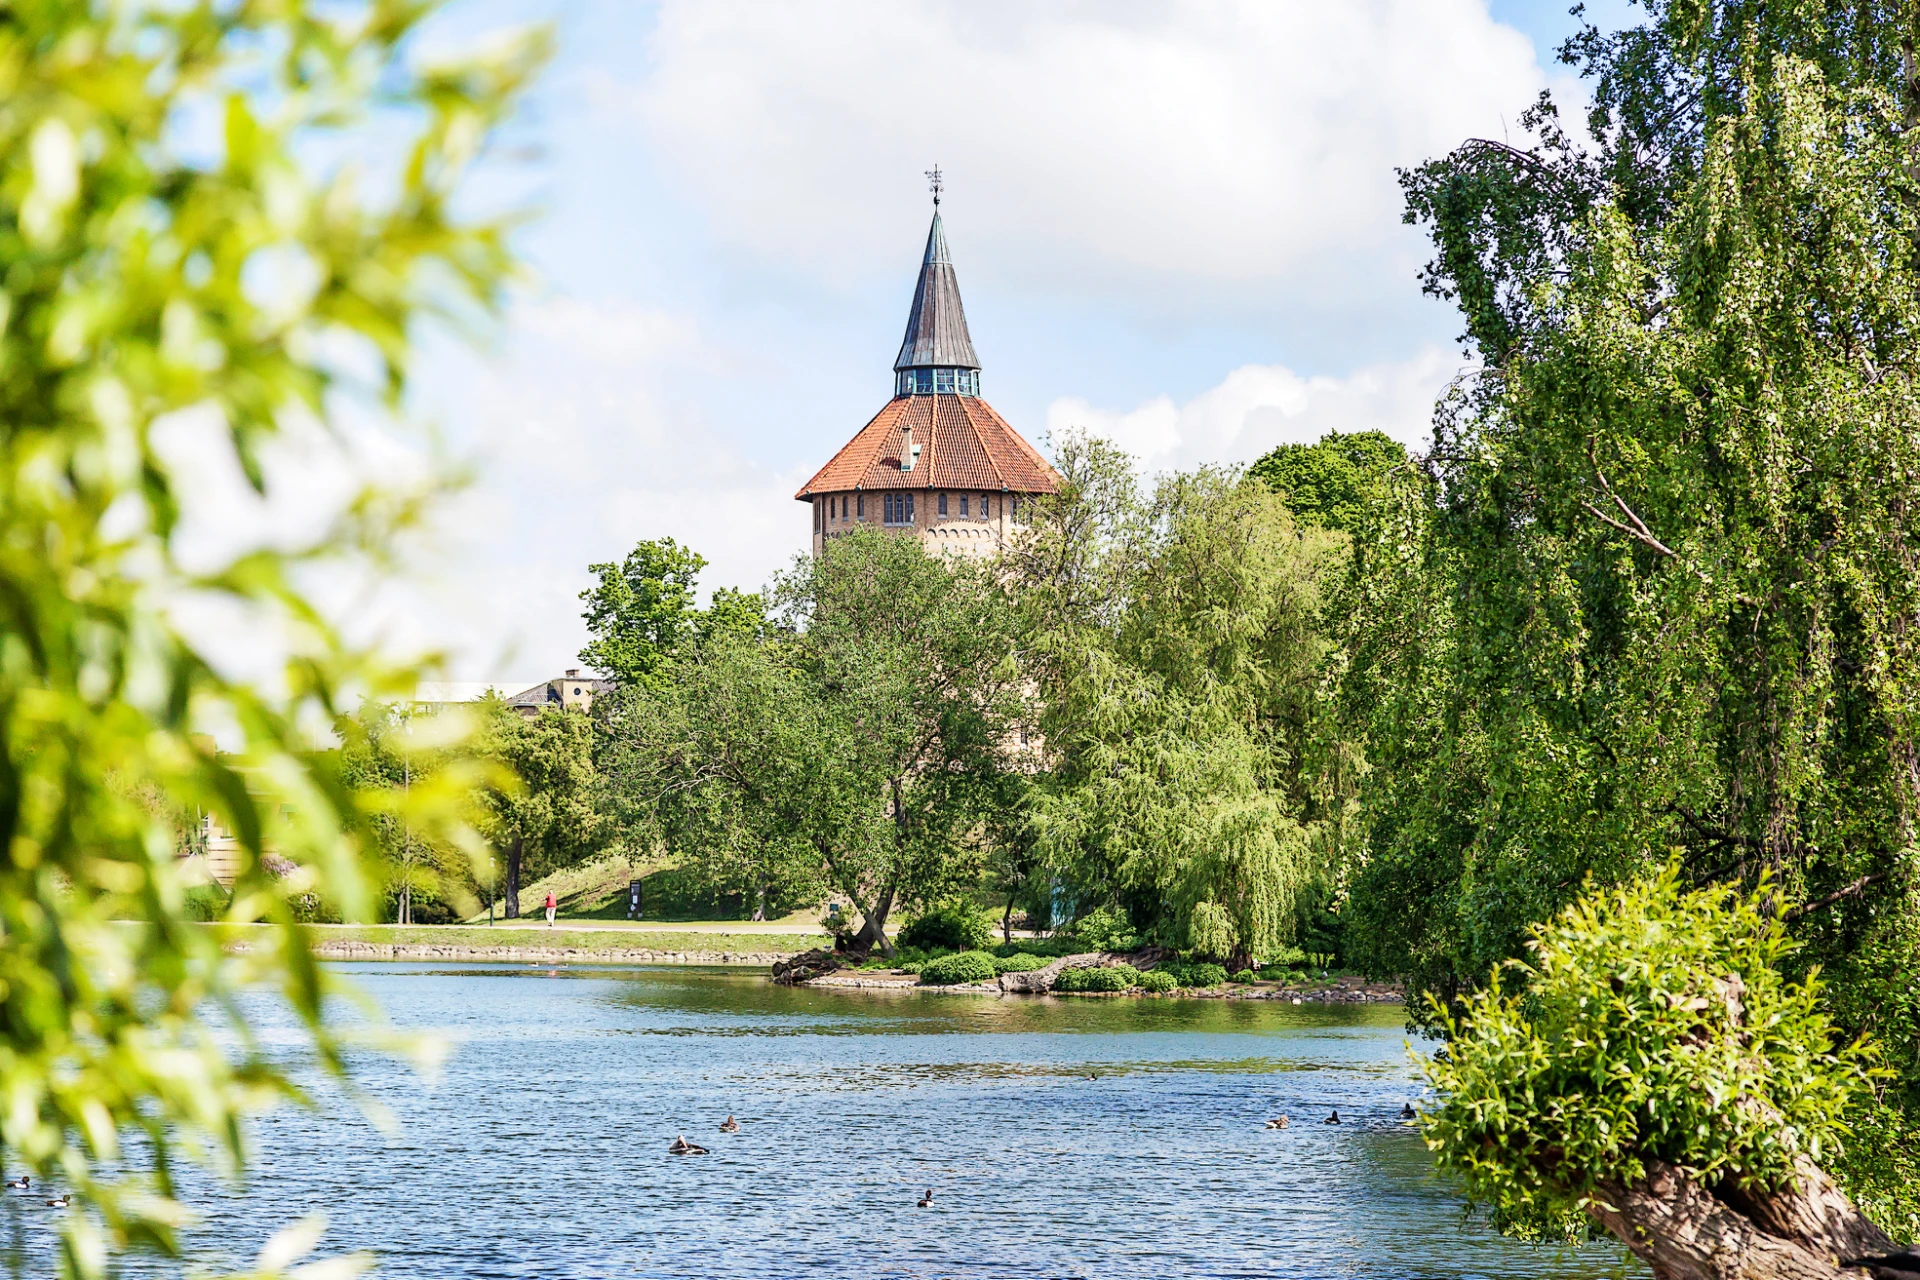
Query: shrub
1158	980
1655	1026
1105	929
1071	980
1018	963
963	966
1116	977
1243	976
1192	974
951	928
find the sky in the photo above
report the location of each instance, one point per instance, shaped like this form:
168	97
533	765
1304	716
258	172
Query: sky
1175	224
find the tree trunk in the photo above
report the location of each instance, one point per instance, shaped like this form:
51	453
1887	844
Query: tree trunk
1006	923
873	930
1806	1231
514	852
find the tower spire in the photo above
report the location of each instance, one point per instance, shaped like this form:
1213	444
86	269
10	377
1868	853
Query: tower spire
937	353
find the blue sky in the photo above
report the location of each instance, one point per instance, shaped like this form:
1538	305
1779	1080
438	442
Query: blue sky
1174	223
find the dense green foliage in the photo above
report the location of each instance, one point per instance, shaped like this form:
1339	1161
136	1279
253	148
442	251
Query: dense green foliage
1105	928
177	297
641	613
1195	973
961	966
1652	1023
1653	589
1158	981
865	742
950	928
1330	484
1113	977
386	749
1019	962
1175	643
547	815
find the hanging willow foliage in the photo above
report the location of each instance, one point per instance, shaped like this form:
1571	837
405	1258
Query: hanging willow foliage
1176	644
1657	587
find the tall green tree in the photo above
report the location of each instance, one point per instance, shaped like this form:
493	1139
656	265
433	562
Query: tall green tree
1655	589
158	273
641	611
855	741
1329	484
1176	645
547	815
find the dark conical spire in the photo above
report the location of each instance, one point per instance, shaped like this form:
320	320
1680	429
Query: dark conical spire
937	326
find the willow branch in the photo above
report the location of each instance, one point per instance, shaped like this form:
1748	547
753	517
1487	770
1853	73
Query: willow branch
1807	909
1637	529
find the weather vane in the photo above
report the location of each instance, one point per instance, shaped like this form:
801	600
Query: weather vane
935	185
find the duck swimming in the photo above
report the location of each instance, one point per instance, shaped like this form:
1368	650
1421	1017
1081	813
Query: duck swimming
1406	1112
1334	1118
729	1125
20	1183
1278	1122
681	1147
926	1200
62	1201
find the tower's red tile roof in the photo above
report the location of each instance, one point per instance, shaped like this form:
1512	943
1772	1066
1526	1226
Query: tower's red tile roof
963	443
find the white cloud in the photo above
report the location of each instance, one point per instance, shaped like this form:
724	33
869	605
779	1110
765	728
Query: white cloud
580	453
1260	406
1216	148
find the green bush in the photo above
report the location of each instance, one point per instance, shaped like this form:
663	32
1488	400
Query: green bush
1116	977
1654	1025
1158	980
1105	929
1018	963
964	966
1243	976
952	928
1196	974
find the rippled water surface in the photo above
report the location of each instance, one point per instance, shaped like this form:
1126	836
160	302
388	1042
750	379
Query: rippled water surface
1061	1137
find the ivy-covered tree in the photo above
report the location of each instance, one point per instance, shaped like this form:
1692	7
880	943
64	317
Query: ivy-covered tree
1655	588
1656	1076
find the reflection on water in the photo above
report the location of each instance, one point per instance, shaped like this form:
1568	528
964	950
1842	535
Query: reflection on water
1097	1138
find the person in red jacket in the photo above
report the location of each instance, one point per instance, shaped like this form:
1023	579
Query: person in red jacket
551	904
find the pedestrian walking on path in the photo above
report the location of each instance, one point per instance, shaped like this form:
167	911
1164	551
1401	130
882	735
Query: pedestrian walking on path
551	905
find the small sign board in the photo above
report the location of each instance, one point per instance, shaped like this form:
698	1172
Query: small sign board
633	899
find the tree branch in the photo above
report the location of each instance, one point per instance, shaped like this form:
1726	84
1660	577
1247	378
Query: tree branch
1808	908
1637	530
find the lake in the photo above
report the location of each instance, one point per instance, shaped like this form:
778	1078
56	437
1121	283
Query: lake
1061	1137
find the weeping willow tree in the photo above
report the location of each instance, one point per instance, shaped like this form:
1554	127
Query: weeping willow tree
1656	588
172	267
1176	647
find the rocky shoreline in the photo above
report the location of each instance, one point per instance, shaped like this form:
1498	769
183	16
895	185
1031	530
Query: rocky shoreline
1336	991
821	968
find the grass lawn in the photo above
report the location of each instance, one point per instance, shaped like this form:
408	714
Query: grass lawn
723	936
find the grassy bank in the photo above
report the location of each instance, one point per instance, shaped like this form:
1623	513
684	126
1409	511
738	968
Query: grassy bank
610	943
